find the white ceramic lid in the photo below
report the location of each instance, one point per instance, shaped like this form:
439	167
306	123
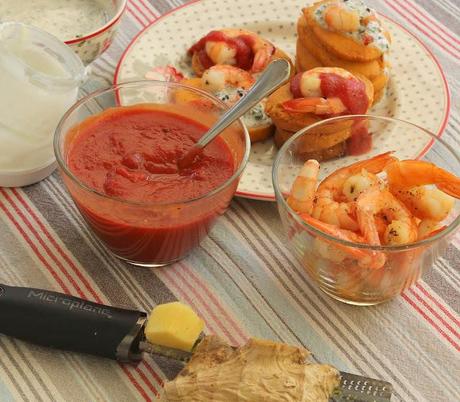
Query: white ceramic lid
20	178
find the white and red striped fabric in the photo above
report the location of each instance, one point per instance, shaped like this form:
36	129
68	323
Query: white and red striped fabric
242	280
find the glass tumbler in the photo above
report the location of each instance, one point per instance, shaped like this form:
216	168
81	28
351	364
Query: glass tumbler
151	234
339	274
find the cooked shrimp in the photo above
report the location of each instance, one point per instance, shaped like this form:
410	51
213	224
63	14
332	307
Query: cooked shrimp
340	19
406	179
309	83
221	53
402	228
355	185
336	180
235	47
220	77
428	228
317	105
303	188
340	214
335	195
399	232
365	258
450	188
425	203
262	50
413	173
333	230
308	95
381	223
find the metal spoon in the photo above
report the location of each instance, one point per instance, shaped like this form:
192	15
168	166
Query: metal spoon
275	75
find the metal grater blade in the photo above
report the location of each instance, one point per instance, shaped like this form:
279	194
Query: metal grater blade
355	388
164	351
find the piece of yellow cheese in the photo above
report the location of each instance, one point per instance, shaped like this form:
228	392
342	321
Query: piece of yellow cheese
174	325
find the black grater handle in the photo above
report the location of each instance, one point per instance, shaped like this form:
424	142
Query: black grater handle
65	322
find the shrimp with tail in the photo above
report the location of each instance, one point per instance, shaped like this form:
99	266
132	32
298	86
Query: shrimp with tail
408	179
335	195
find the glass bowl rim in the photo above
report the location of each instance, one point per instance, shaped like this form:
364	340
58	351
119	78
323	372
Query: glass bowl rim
139	83
281	200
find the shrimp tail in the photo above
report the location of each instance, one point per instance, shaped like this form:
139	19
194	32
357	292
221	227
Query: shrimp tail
434	232
342	234
413	173
376	164
452	188
260	61
319	106
262	57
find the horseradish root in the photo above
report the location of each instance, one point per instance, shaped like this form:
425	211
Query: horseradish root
260	371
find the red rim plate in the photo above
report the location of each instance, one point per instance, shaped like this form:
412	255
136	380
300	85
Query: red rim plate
269	196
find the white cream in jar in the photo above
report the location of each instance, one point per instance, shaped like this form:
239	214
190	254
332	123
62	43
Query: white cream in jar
39	77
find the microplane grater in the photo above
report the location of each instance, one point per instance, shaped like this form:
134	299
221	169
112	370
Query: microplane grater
355	388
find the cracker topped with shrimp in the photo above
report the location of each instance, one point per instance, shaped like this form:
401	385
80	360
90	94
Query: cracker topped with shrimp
236	47
226	62
349	29
347	34
230	84
315	95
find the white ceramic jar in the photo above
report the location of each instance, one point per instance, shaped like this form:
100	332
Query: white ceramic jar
39	80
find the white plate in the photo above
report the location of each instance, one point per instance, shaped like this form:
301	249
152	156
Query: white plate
417	90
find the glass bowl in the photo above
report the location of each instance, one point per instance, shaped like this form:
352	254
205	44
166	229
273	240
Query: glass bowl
321	254
151	233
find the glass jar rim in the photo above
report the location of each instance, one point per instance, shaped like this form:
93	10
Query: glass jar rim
65	55
280	199
63	165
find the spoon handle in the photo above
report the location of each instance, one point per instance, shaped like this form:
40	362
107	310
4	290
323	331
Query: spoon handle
275	75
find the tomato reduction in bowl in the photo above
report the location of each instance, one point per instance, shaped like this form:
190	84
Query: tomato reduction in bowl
130	154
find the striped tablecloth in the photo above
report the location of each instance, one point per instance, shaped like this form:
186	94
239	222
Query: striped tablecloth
242	279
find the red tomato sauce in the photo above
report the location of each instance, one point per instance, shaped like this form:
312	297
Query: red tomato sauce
352	92
131	153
